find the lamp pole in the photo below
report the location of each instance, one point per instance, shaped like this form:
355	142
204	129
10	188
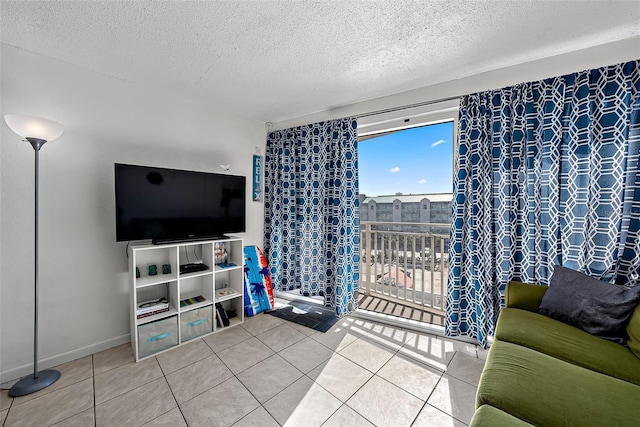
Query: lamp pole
36	143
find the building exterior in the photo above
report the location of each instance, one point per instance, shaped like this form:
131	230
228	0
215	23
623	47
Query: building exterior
421	208
406	208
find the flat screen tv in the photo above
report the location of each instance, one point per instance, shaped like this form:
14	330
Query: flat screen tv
172	205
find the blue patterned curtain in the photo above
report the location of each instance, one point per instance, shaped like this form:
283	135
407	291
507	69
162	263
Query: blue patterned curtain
547	174
312	236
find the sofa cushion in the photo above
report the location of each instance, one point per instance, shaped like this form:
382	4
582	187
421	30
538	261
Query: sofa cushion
598	307
567	343
546	391
488	416
633	330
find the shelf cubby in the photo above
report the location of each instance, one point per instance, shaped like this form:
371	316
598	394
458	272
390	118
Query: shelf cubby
148	256
195	253
199	286
236	304
232	279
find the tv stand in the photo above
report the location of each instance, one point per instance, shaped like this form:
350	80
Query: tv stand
194	296
171	241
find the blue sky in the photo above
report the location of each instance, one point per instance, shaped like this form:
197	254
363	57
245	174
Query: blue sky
413	161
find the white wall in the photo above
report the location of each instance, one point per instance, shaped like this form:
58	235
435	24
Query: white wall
593	57
84	284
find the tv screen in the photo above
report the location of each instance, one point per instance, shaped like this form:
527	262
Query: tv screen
169	204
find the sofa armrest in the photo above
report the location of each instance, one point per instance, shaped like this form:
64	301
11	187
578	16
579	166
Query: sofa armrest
525	296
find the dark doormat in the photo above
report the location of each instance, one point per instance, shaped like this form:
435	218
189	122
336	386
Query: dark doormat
310	315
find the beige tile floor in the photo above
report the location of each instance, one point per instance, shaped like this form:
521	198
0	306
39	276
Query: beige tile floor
267	372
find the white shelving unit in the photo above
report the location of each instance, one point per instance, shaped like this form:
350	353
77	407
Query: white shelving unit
192	297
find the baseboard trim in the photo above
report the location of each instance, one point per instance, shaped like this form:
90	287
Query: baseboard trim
50	362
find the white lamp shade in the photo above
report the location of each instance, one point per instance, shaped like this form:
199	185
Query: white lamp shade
34	127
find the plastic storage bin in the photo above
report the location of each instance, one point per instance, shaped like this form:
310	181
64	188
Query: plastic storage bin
196	322
157	336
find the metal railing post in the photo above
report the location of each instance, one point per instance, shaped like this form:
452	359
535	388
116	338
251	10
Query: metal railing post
375	266
432	256
442	282
369	257
413	267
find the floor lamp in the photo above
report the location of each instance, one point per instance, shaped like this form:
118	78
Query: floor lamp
36	131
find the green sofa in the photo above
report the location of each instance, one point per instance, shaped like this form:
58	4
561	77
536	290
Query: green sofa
543	372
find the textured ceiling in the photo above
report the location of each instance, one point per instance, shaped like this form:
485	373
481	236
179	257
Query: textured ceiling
275	60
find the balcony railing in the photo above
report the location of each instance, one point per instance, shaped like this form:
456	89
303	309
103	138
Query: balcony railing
405	262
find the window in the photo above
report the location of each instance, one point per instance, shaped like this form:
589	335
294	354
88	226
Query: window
408	165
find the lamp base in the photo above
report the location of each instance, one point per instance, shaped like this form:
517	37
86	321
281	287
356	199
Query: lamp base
28	385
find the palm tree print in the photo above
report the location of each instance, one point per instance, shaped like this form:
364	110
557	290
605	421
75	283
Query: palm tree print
257	285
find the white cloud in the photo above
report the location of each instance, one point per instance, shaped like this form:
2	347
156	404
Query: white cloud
438	142
394	169
422	181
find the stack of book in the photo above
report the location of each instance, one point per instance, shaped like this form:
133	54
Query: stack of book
150	308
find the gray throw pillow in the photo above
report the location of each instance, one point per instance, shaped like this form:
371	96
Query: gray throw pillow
597	307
